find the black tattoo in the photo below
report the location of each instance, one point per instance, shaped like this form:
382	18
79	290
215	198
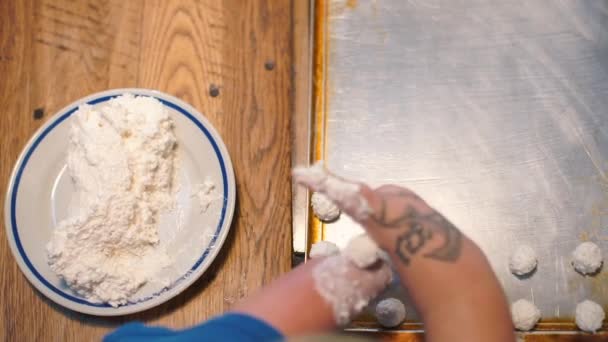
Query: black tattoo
395	222
421	230
411	242
449	250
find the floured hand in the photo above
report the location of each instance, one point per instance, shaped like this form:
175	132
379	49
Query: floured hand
348	288
346	195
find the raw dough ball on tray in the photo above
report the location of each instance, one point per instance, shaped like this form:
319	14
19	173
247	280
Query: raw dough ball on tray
525	314
587	258
523	260
390	312
589	316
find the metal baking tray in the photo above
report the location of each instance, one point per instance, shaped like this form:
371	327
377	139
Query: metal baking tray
495	112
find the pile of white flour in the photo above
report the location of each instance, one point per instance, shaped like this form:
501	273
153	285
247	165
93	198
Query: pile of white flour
122	159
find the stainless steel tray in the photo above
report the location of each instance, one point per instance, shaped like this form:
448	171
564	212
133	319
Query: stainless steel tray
496	112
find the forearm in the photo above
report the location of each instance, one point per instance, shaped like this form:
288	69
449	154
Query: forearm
458	301
317	296
448	277
291	303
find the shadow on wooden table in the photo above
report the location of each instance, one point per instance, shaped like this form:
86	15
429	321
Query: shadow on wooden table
166	308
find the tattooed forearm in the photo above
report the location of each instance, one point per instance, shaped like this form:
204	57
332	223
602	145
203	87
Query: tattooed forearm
382	219
449	250
441	239
425	231
410	242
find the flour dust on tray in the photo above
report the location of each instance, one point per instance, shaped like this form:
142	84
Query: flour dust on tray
122	161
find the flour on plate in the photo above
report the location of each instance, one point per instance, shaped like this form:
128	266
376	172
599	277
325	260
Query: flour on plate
122	160
205	194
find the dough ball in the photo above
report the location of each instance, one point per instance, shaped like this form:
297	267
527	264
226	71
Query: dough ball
525	315
587	258
362	251
324	208
323	249
589	316
390	312
523	260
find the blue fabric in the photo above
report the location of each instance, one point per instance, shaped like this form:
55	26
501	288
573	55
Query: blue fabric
229	327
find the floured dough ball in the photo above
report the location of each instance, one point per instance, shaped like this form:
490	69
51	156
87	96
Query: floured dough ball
589	316
523	260
362	251
324	208
525	315
587	258
390	312
323	249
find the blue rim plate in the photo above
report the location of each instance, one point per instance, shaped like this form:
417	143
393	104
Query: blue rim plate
30	206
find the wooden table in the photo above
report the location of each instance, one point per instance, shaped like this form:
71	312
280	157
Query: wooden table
231	59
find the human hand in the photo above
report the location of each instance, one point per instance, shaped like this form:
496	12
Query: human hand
348	288
447	275
396	218
404	225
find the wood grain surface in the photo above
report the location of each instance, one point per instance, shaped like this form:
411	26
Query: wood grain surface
53	52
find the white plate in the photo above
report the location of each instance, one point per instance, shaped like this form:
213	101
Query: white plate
40	190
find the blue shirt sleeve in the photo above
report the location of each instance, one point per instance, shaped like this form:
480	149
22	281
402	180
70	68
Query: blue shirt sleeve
229	327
